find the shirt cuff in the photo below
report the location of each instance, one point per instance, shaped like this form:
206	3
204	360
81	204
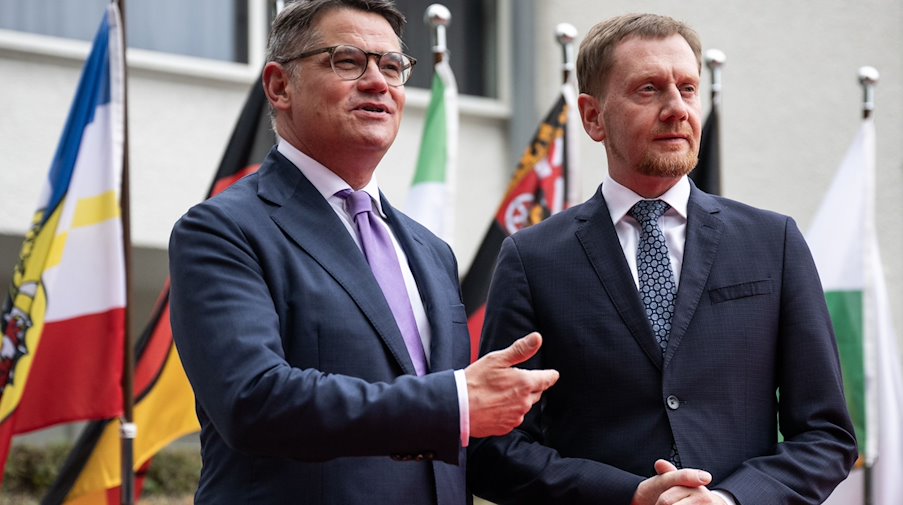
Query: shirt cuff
728	499
464	407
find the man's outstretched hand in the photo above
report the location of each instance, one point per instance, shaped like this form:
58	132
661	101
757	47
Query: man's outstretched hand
499	394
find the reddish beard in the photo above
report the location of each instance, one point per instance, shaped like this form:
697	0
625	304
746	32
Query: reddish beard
669	165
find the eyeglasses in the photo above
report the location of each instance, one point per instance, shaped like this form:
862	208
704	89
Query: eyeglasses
350	63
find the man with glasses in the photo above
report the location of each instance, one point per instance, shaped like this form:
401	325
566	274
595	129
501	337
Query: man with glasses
323	331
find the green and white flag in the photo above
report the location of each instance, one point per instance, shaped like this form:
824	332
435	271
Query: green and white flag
430	201
844	244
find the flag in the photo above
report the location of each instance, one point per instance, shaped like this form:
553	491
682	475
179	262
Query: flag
845	247
538	189
63	325
431	199
707	174
164	410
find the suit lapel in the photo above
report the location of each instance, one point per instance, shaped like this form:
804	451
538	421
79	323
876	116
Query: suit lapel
310	221
424	266
599	239
704	230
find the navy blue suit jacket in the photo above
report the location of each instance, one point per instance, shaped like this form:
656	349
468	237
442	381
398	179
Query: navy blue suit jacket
305	390
751	344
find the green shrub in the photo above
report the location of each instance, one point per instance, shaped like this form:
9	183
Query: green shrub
31	469
173	472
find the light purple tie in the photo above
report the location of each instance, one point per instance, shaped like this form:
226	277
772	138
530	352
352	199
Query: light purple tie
380	254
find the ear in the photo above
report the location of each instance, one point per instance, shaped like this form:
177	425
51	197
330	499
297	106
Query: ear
277	86
591	115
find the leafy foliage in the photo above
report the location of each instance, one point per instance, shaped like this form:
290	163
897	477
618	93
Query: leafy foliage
31	469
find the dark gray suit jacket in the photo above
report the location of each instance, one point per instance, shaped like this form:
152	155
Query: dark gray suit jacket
751	344
305	390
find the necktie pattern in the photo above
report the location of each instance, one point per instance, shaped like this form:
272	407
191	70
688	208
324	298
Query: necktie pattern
656	279
380	254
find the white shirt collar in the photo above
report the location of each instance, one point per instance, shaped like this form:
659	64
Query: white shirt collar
324	179
620	199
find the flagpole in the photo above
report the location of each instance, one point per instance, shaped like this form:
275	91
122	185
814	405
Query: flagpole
128	429
868	78
565	34
442	119
438	17
714	61
707	174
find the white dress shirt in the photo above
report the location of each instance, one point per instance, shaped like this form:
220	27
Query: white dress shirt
328	184
673	223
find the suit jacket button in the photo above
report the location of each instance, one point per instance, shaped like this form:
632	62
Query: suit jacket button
673	402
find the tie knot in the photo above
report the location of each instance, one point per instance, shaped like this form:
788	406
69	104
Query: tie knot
648	211
356	201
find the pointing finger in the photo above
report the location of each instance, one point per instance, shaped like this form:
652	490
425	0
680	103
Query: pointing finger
542	379
521	350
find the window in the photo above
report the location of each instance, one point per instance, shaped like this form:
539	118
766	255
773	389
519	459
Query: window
214	29
471	39
218	30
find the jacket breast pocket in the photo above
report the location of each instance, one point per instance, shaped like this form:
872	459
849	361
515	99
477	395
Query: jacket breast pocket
742	290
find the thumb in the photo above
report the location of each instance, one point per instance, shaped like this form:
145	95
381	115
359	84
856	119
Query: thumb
663	466
521	350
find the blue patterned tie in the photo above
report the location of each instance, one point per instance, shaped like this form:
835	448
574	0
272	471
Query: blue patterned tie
656	279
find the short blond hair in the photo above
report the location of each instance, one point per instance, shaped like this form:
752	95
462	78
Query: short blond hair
596	55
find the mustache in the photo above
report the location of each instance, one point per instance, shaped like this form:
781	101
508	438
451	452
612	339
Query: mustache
678	132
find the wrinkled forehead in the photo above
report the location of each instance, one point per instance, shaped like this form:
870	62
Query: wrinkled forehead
651	54
343	25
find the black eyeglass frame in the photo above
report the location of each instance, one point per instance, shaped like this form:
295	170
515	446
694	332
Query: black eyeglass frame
331	50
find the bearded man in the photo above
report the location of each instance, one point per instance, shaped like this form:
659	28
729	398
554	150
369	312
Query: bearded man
697	359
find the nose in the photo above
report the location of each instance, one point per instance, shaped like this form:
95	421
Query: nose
372	80
674	106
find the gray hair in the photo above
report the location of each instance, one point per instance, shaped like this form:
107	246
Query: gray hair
291	31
